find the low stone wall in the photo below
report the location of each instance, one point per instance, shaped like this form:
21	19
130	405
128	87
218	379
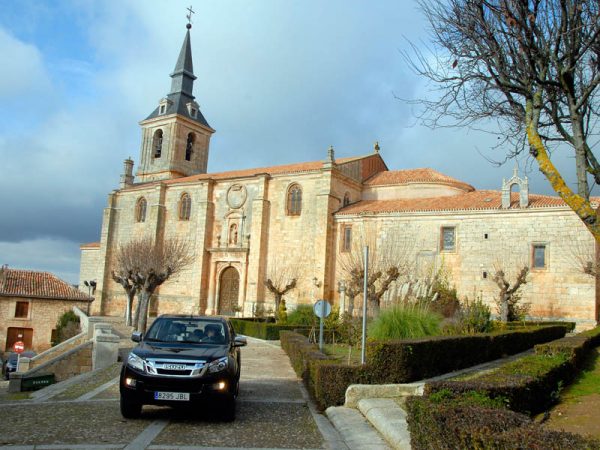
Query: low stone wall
56	351
71	363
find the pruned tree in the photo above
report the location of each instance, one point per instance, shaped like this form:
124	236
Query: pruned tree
389	260
510	278
281	278
531	67
146	265
124	278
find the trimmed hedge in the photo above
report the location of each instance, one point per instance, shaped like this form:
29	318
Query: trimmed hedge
463	423
261	330
409	360
532	383
403	361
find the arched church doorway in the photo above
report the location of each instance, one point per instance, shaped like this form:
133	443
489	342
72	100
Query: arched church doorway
229	291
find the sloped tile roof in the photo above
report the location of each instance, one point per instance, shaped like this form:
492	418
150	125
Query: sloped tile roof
272	170
424	175
29	283
90	245
469	201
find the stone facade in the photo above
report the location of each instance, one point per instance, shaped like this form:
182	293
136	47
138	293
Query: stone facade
41	320
241	225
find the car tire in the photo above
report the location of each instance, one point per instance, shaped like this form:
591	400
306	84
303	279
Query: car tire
130	409
228	409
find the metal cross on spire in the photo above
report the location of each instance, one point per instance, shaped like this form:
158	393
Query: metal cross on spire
189	17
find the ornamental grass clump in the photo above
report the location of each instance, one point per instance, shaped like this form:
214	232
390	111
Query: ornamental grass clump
405	321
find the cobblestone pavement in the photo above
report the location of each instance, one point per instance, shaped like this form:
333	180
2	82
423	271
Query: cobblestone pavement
272	412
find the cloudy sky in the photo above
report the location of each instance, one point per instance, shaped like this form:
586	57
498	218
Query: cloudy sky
279	80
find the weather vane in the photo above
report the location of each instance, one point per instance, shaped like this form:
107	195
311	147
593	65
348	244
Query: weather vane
189	17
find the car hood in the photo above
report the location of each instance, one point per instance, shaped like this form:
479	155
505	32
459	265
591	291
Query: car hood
180	351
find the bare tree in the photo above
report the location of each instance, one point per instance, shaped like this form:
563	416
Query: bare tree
281	278
508	296
124	277
531	67
146	265
582	257
389	260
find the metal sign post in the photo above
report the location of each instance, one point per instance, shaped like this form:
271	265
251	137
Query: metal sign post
321	309
364	322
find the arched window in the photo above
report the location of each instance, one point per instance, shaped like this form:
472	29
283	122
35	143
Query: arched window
233	234
157	141
189	146
140	210
185	207
346	199
294	200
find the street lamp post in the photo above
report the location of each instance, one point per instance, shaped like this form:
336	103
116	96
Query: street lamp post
91	285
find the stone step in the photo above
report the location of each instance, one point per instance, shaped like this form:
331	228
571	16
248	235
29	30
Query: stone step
355	429
388	418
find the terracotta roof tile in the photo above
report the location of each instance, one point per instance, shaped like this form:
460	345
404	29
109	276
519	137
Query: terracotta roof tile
272	170
424	175
469	201
29	283
90	245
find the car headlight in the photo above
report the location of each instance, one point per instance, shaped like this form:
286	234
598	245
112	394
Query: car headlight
135	362
218	365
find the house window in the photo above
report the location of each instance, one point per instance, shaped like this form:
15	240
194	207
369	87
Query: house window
193	112
140	210
162	109
346	199
157	142
346	239
185	207
448	239
22	310
294	200
189	147
539	256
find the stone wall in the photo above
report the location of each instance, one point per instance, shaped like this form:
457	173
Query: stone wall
43	315
73	362
489	239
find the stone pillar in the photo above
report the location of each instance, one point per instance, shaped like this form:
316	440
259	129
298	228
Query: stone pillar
210	307
106	346
259	230
127	176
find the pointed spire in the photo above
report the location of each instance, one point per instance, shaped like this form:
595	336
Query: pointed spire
183	74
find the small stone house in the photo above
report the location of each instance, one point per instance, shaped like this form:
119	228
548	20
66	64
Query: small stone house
30	304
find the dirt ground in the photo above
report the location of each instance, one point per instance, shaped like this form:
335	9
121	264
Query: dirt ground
579	405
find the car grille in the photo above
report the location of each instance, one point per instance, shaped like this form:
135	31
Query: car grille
176	367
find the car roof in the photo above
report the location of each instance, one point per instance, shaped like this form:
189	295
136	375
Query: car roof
193	317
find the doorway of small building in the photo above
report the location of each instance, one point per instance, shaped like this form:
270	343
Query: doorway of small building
229	291
15	334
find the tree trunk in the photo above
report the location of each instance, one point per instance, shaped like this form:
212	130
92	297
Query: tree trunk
130	298
503	307
136	317
374	307
350	300
144	300
277	303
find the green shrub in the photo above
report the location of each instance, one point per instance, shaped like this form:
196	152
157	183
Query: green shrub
474	317
473	422
403	321
533	383
67	326
260	330
303	315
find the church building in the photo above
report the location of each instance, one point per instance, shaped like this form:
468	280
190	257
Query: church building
300	219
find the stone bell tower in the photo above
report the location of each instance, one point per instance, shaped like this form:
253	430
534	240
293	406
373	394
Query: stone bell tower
176	136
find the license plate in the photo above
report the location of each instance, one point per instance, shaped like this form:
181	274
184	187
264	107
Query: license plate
174	366
172	396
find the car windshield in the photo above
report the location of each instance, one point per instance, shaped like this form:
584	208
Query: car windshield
186	330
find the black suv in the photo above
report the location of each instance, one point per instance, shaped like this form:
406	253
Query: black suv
182	359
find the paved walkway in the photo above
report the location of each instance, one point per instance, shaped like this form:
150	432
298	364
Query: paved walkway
273	412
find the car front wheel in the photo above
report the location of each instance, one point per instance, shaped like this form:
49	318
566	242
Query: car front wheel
130	409
228	409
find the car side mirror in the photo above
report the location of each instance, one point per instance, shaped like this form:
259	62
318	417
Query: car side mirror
240	341
136	336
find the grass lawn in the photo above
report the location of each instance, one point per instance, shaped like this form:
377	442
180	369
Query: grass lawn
341	351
